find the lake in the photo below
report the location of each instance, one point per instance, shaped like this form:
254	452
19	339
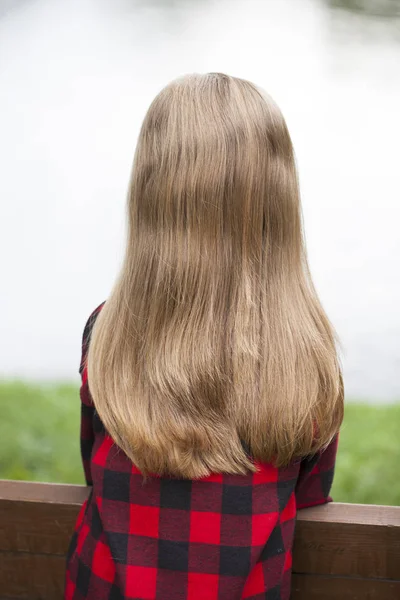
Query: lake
76	78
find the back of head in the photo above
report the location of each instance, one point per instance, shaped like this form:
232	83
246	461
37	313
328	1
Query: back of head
213	337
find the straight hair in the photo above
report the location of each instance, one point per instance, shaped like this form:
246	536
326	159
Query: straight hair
213	351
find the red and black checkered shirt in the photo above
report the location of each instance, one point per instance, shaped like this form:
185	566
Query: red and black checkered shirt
224	537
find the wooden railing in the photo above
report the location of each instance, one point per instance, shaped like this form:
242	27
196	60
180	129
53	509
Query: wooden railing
342	551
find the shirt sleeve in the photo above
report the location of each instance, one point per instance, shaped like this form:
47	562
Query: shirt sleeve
87	406
316	477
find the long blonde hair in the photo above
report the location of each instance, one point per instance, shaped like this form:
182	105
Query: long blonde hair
213	339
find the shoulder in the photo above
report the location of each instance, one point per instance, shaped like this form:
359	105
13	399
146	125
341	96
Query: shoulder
87	332
90	323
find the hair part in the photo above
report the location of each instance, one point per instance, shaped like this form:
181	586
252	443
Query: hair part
214	338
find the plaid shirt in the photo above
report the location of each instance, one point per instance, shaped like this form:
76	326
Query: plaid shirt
224	537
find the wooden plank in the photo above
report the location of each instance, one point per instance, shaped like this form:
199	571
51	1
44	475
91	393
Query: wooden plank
336	512
43	577
357	550
36	528
38	517
25	576
324	547
27	491
75	494
314	587
36	523
346	551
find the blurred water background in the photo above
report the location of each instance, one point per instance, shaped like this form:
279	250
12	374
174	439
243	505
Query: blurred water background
76	78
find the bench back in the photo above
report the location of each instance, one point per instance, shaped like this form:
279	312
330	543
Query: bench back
345	551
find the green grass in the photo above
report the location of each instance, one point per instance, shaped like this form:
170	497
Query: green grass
39	432
367	469
39	441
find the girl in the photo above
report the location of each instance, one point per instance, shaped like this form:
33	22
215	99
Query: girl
211	390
